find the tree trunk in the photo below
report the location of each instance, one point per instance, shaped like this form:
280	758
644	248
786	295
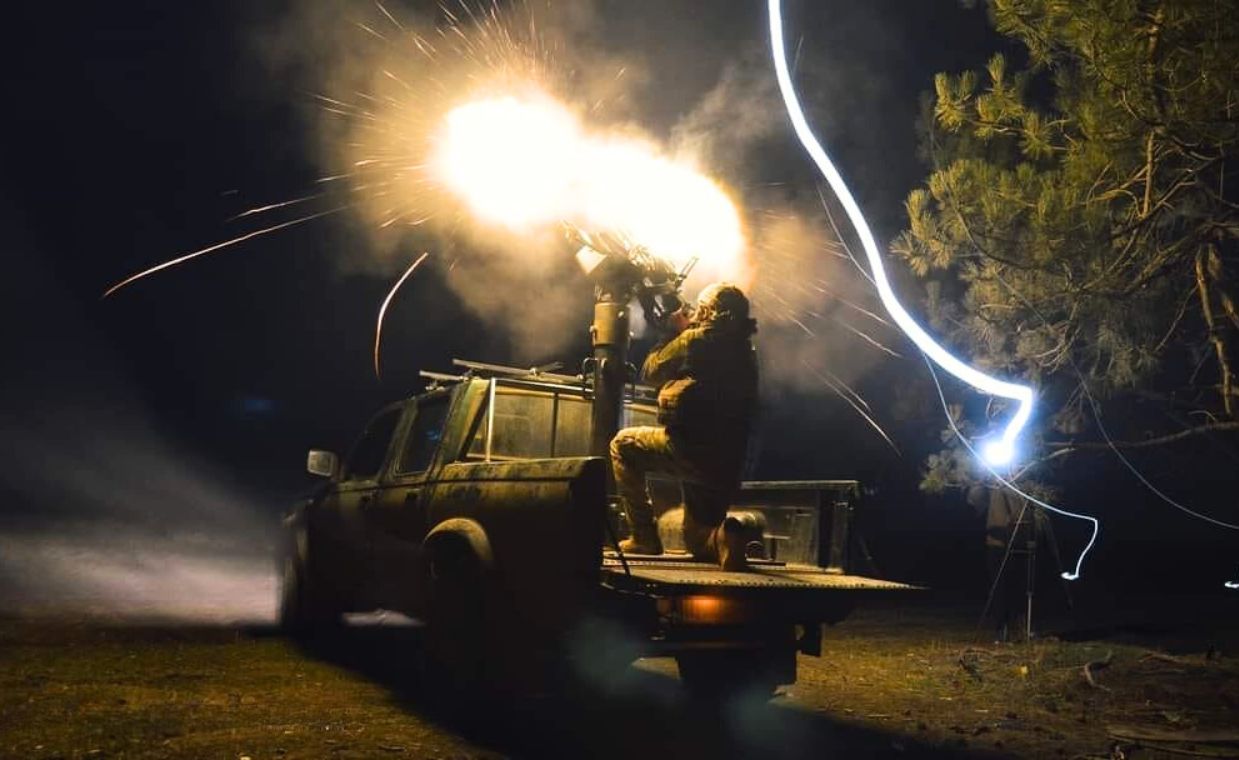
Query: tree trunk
1215	333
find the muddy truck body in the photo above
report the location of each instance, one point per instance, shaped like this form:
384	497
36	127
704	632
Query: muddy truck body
478	508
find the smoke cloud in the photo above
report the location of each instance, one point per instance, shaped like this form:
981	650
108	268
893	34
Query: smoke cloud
822	329
822	325
100	512
383	80
99	569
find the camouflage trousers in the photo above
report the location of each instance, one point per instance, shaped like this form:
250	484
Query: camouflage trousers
709	474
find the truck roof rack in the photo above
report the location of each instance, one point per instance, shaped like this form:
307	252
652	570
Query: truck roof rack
439	379
543	374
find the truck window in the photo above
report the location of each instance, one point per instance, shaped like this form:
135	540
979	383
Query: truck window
366	458
425	435
537	424
522	427
572	427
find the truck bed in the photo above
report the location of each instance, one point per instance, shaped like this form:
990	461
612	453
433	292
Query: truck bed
669	573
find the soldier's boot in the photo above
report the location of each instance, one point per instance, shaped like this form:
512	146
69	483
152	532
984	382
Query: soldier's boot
644	539
731	539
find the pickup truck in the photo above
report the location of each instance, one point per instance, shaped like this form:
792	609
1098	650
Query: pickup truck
475	508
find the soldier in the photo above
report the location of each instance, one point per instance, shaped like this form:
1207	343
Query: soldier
706	376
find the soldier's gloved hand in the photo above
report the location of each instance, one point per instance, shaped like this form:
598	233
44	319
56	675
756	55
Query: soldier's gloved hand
678	320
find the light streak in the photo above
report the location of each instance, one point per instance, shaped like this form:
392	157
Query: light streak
854	399
378	328
212	248
999	451
996	452
1140	475
274	206
1074	574
1114	448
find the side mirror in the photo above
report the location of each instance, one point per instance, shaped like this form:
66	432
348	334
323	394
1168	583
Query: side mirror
324	464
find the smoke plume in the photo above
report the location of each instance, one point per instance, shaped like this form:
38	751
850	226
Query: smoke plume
100	512
822	328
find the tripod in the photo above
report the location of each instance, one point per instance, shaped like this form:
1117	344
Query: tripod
1030	524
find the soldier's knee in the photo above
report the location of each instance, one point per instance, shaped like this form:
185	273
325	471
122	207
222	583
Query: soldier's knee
618	444
624	443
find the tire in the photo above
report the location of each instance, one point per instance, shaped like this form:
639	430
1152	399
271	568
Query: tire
290	615
305	606
718	675
459	657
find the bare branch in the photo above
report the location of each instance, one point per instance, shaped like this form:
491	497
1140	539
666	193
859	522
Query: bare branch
1219	427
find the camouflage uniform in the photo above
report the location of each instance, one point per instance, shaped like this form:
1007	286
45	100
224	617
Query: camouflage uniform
707	380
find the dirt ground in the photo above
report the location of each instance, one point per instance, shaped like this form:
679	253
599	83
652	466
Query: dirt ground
893	682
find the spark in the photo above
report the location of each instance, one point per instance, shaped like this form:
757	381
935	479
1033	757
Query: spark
854	399
390	17
875	317
1118	452
847	249
865	336
999	451
378	328
274	206
212	248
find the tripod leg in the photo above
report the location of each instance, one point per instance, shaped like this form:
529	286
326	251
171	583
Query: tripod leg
997	585
1030	577
1047	529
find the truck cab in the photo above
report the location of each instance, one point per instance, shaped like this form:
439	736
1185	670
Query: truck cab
477	508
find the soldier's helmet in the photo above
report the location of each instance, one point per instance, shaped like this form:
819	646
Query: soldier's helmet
723	303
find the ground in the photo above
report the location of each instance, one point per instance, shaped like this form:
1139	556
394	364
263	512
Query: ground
894	680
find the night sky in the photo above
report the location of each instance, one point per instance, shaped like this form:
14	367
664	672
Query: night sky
135	130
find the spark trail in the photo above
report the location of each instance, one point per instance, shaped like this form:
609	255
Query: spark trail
997	452
218	246
378	327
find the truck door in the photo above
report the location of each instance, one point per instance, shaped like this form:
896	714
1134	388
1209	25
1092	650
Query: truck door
344	524
398	515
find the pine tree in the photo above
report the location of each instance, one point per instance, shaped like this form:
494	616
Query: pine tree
1082	204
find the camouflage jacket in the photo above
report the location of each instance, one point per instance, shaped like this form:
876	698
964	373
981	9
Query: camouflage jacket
707	381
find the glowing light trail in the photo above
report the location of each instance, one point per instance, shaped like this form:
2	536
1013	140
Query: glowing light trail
997	452
216	247
378	328
1074	574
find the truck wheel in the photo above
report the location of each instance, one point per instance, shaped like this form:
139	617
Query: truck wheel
457	640
305	607
289	612
719	675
